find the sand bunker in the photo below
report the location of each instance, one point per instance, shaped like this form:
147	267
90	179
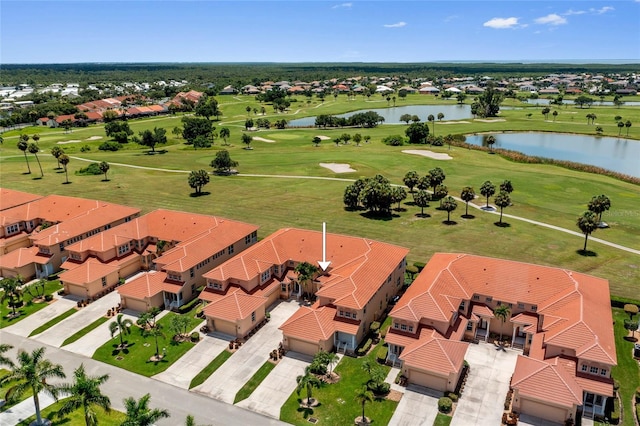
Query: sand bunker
323	138
94	138
71	141
495	120
257	138
427	153
453	122
337	167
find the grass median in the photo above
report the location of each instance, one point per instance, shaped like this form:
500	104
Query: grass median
84	331
248	388
47	325
210	369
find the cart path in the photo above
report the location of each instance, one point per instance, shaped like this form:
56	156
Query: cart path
522	219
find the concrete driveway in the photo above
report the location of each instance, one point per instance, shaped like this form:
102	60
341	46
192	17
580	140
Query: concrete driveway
85	316
526	420
418	406
482	401
35	320
277	387
242	365
190	364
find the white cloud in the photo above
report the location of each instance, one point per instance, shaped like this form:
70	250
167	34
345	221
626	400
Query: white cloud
454	17
602	10
551	19
342	5
575	12
396	25
501	23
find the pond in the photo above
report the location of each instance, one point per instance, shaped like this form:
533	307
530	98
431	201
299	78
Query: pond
617	154
392	115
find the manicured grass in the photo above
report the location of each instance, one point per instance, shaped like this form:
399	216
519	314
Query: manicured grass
136	357
337	401
53	321
627	371
210	369
254	382
550	194
28	307
6	387
84	331
442	420
113	418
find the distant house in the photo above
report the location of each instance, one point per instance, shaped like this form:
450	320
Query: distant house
429	90
228	90
46	121
626	92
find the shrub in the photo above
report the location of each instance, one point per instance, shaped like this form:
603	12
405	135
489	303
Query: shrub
195	336
379	388
91	169
383	333
61	292
48	297
614	418
85	148
109	146
419	265
394	140
363	349
452	396
381	355
375	326
445	404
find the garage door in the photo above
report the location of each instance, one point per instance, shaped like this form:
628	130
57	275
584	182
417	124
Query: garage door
134	304
427	380
225	327
547	412
302	346
75	290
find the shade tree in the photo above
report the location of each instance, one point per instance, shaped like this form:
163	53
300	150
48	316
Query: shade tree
222	163
197	180
467	194
502	200
104	168
487	189
448	204
411	179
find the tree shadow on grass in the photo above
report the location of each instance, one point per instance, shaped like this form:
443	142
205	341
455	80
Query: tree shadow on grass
630	339
67	183
409	203
26	173
353	209
449	222
423	215
378	215
587	253
157	361
468	216
105	180
117	349
399	210
199	194
37	178
306	411
502	224
55	421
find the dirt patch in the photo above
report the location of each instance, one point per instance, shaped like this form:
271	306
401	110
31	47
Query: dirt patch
338	167
394	395
427	153
94	138
494	120
454	122
71	141
257	138
323	138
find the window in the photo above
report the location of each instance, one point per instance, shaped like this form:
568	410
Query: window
123	249
403	327
61	246
603	371
469	326
476	297
389	279
191	274
411	329
398	281
593	370
276	269
193	288
347	314
584	367
520	305
265	276
354	315
283	287
461	307
488	299
247	239
396	325
253	316
43	250
230	249
104	281
534	308
341	313
11	229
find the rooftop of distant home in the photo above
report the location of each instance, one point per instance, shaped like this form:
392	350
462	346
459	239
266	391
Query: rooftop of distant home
10	198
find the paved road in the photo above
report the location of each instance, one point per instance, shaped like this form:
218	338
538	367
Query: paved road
243	364
123	384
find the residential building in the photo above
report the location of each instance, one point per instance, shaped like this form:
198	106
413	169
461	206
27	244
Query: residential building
364	275
560	320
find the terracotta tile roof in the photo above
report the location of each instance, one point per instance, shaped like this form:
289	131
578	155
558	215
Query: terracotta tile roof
87	272
436	354
146	285
22	257
11	198
312	325
234	306
542	379
52	209
482	311
599	385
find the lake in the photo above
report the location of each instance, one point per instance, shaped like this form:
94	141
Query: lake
616	154
392	115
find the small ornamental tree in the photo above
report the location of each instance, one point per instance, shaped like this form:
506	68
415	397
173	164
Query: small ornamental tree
223	163
467	194
631	310
411	179
197	179
448	204
487	189
64	160
421	199
104	168
247	139
502	200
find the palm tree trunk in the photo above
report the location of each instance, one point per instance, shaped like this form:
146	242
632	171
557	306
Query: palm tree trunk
363	417
36	402
121	340
466	212
39	165
157	349
500	214
585	242
66	175
27	160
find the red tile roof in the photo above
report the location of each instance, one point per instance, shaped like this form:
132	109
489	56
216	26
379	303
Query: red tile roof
544	379
22	257
436	354
311	325
234	306
87	272
146	285
11	198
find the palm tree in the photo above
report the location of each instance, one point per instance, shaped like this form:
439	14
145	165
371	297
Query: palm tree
502	200
246	139
421	199
506	186
224	134
620	126
440	116
627	124
364	395
64	160
501	312
490	141
56	151
487	189
306	272
139	413
23	146
332	359
12	292
599	205
307	381
122	326
31	373
85	393
432	119
155	332
587	223
467	194
449	204
555	114
33	149
104	168
3	359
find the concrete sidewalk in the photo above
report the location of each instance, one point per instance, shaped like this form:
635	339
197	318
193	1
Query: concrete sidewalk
418	406
269	397
242	365
482	402
190	364
35	320
25	409
85	316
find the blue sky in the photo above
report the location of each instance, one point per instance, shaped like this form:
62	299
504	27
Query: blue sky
317	31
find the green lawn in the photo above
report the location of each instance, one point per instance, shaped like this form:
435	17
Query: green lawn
5	388
29	306
53	321
136	357
254	382
113	418
550	194
442	420
210	369
337	403
627	371
82	332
